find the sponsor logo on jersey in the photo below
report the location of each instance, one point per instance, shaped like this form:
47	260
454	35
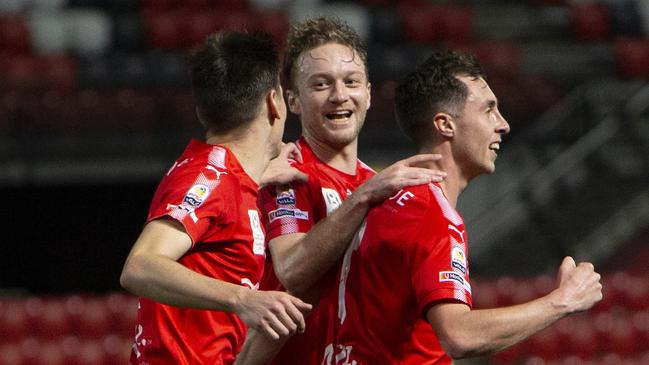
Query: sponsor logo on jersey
285	197
452	276
284	212
196	195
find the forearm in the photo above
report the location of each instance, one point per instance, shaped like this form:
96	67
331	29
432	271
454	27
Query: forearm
316	252
166	281
258	349
486	331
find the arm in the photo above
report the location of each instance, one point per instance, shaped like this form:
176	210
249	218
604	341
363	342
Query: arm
463	332
300	259
151	270
258	349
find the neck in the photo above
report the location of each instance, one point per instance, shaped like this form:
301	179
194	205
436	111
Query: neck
455	180
251	154
340	158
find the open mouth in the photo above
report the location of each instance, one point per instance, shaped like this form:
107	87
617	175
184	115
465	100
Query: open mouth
495	146
339	115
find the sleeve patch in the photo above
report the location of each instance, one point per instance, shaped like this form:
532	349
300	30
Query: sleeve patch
451	276
196	195
287	213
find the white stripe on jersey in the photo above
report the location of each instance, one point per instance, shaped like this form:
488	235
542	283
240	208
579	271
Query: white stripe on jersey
447	210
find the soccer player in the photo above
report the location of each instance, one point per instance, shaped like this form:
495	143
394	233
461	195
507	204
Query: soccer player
408	263
200	257
310	224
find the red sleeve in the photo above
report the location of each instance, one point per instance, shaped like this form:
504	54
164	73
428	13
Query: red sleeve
439	267
195	200
286	209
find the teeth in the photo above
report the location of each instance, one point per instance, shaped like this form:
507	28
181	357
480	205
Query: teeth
339	115
494	146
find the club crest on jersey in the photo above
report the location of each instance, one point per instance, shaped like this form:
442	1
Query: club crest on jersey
283	212
196	195
285	197
332	199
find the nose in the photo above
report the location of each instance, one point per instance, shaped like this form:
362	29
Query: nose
339	93
503	125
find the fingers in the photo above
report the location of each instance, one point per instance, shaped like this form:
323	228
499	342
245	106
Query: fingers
294	152
296	311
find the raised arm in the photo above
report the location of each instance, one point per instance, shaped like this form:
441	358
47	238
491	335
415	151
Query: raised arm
151	270
463	332
301	259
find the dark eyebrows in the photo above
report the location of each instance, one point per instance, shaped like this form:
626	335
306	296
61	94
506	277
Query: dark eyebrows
491	103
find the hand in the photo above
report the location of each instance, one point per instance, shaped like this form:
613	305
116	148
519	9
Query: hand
397	176
273	313
578	286
280	171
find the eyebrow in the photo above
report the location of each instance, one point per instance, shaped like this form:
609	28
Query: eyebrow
491	103
328	75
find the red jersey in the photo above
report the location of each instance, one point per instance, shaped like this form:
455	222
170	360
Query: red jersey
210	194
409	254
296	209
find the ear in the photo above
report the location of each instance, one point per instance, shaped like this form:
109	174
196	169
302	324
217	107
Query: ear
444	125
293	103
369	94
272	104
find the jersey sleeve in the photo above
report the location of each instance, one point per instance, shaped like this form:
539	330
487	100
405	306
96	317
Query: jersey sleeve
286	209
194	200
439	267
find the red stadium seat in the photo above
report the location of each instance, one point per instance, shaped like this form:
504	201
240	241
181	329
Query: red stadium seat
506	287
59	72
20	72
457	23
199	24
546	344
10	354
94	320
14	322
14	35
117	349
584	339
485	294
641	324
123	313
419	25
48	319
636	293
591	21
162	30
632	57
500	59
51	354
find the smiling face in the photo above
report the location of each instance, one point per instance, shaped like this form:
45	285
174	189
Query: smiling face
332	94
479	129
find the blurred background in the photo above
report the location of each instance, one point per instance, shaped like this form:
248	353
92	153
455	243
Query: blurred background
95	106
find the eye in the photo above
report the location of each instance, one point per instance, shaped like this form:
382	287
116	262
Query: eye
319	84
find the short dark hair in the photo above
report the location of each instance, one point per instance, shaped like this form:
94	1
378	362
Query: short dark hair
433	87
315	32
231	73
